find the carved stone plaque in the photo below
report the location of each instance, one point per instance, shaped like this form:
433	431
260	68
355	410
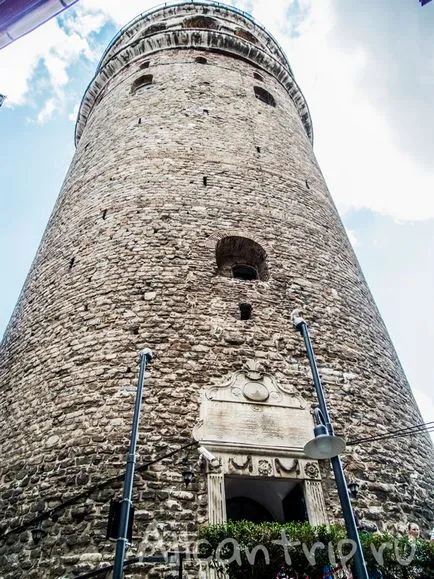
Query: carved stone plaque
250	409
256	391
267	426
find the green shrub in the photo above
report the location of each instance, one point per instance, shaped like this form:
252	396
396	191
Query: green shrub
244	549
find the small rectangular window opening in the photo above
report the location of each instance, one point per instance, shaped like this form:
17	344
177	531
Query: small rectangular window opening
205	181
71	262
140	121
245	311
258	149
206	111
104	213
307	183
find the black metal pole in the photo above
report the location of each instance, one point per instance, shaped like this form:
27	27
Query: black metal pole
181	560
360	569
122	540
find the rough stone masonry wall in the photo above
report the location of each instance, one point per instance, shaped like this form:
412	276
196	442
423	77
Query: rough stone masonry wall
128	261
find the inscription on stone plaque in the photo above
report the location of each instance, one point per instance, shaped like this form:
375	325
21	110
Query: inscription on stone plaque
251	409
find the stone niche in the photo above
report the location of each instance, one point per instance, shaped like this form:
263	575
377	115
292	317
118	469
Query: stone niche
257	428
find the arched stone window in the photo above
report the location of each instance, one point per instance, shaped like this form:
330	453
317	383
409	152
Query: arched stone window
154	28
264	96
144	81
246	35
201	22
241	258
200	60
144	64
258	76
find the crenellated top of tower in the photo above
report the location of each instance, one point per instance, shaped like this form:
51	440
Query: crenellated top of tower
207	25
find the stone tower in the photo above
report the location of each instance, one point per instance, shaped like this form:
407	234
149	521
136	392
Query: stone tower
193	219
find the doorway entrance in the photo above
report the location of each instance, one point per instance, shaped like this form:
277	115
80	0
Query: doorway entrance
259	500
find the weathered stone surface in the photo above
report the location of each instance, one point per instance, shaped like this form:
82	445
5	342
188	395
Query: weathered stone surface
128	261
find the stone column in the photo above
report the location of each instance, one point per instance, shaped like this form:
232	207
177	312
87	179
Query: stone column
216	499
315	504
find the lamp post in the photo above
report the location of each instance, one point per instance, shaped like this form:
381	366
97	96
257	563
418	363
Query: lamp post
122	539
327	445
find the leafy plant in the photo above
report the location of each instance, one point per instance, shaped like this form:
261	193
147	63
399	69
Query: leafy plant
242	549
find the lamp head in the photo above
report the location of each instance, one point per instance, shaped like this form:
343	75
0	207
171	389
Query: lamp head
188	475
296	319
353	488
324	445
187	471
38	533
147	352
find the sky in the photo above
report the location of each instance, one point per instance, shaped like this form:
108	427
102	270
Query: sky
367	72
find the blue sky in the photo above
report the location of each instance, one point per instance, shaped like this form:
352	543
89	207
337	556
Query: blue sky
367	71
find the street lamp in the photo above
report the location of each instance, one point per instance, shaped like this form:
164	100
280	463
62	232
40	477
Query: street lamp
187	472
353	487
326	445
122	537
38	533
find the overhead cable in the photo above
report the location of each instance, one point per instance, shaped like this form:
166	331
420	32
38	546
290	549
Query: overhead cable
54	512
416	429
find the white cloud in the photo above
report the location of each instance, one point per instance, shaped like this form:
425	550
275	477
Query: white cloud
47	111
62	54
49	50
19	60
365	165
352	237
73	115
272	15
55	48
84	20
119	12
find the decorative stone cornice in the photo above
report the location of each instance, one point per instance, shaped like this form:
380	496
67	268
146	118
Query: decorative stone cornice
134	43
